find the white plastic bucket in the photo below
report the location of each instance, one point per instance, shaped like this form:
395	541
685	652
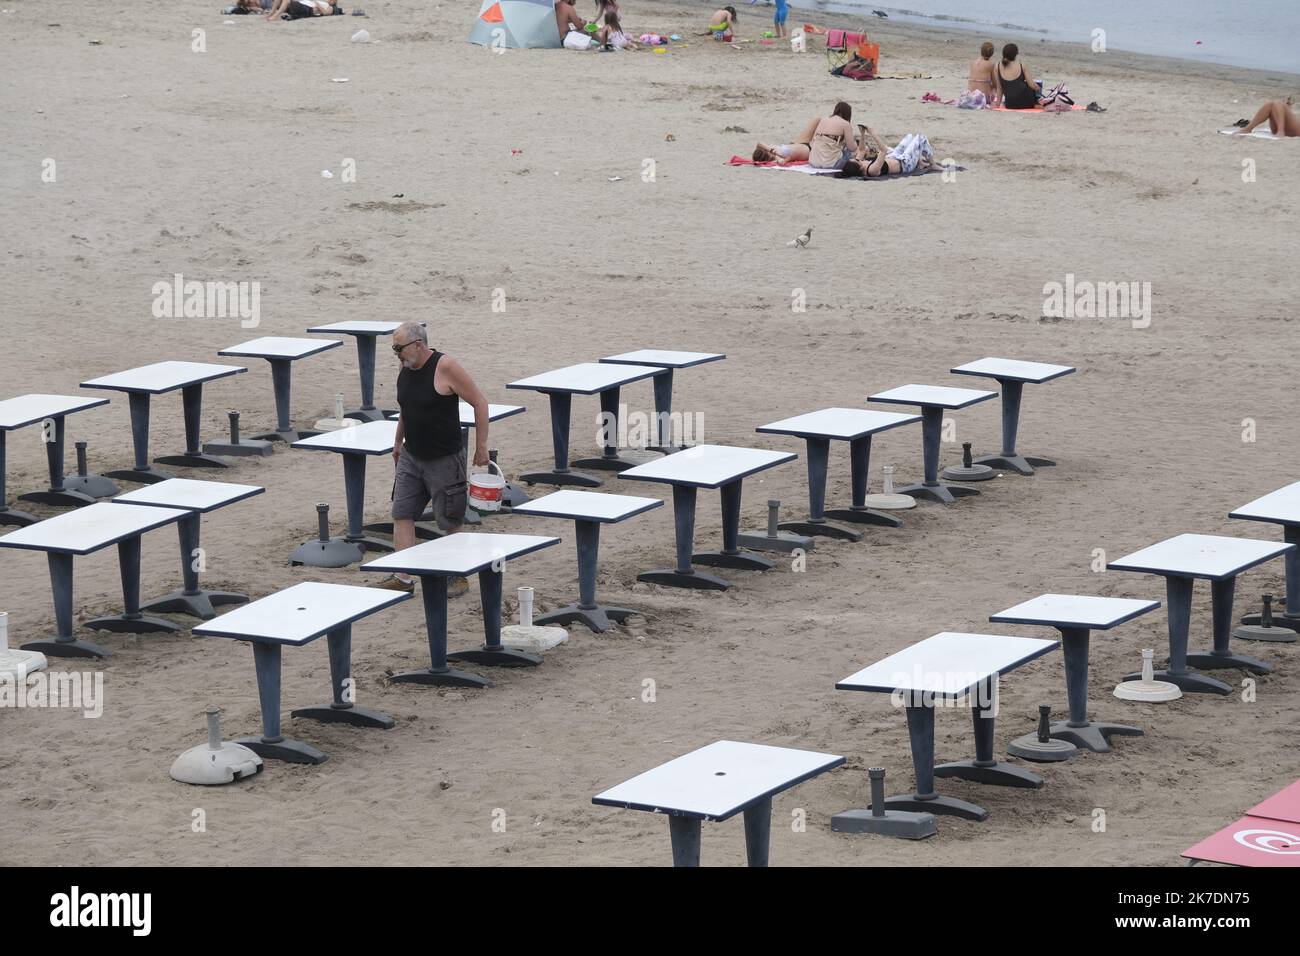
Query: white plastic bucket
798	42
485	489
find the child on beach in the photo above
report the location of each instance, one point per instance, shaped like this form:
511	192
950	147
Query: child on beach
611	35
779	17
722	22
983	77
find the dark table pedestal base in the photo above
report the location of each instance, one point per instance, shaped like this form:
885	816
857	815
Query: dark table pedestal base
201	604
605	464
1093	736
936	804
863	515
370	414
1213	660
944	494
348	714
495	656
133	624
1020	464
367	543
699	580
288	435
65	497
820	529
560	478
290	751
53	647
143	476
990	772
739	560
16	518
192	461
596	618
446	677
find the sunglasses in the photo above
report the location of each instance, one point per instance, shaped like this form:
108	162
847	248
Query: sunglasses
397	349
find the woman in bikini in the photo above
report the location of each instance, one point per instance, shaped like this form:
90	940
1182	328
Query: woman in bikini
1015	84
983	76
835	132
1282	120
876	159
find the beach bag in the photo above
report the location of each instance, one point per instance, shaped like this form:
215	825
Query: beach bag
972	100
577	41
1060	93
870	52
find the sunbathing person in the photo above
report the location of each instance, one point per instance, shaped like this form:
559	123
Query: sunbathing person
833	141
912	154
1282	120
1015	85
984	75
299	9
796	151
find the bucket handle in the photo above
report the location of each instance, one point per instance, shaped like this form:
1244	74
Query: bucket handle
493	464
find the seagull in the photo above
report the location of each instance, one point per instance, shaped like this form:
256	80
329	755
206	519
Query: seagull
801	241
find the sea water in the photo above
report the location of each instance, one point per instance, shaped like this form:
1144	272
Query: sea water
1254	33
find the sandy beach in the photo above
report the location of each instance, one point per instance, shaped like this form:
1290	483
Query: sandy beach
519	178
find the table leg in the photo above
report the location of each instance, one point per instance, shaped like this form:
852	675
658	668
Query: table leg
817	526
732	555
758	832
131	620
366	367
191	599
273	745
192	400
609	459
354	490
344	710
58	493
858	512
493	653
1290	618
920	732
932	489
1221	593
10	516
684	575
64	643
561	408
684	832
282	383
984	768
143	472
663	389
1009	459
1178	604
1077	730
433	587
595	616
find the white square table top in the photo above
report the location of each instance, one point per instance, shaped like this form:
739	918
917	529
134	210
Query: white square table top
29	409
1075	610
300	613
1013	370
587	378
1200	556
495	413
280	347
717	781
948	664
707	466
358	327
462	553
1280	507
363	438
86	530
838	423
664	358
162	377
189	494
587	506
937	396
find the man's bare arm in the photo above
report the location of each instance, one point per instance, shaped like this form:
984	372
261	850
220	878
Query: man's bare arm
464	387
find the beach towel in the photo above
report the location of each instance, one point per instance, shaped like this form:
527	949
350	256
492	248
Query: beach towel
1036	109
1259	133
915	172
814	171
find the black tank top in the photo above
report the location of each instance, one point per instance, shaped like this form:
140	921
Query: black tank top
430	422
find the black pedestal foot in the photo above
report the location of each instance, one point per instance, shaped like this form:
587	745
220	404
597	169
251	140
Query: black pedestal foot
290	751
1188	682
1279	620
193	461
1016	463
288	436
200	604
940	806
820	529
143	476
447	677
356	716
699	580
1209	660
1094	737
423	530
998	775
512	495
52	647
944	494
366	543
139	624
740	560
560	478
16	518
72	499
495	657
366	414
863	516
597	618
605	464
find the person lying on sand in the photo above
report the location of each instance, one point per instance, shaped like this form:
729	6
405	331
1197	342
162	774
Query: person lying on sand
297	9
983	76
1015	85
1282	120
913	154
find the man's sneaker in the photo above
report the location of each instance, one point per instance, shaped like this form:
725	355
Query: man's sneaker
457	586
394	583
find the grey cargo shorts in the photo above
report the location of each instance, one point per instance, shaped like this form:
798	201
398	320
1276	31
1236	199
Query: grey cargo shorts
440	481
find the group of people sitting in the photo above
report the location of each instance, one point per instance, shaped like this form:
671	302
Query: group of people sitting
579	34
1007	84
832	142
